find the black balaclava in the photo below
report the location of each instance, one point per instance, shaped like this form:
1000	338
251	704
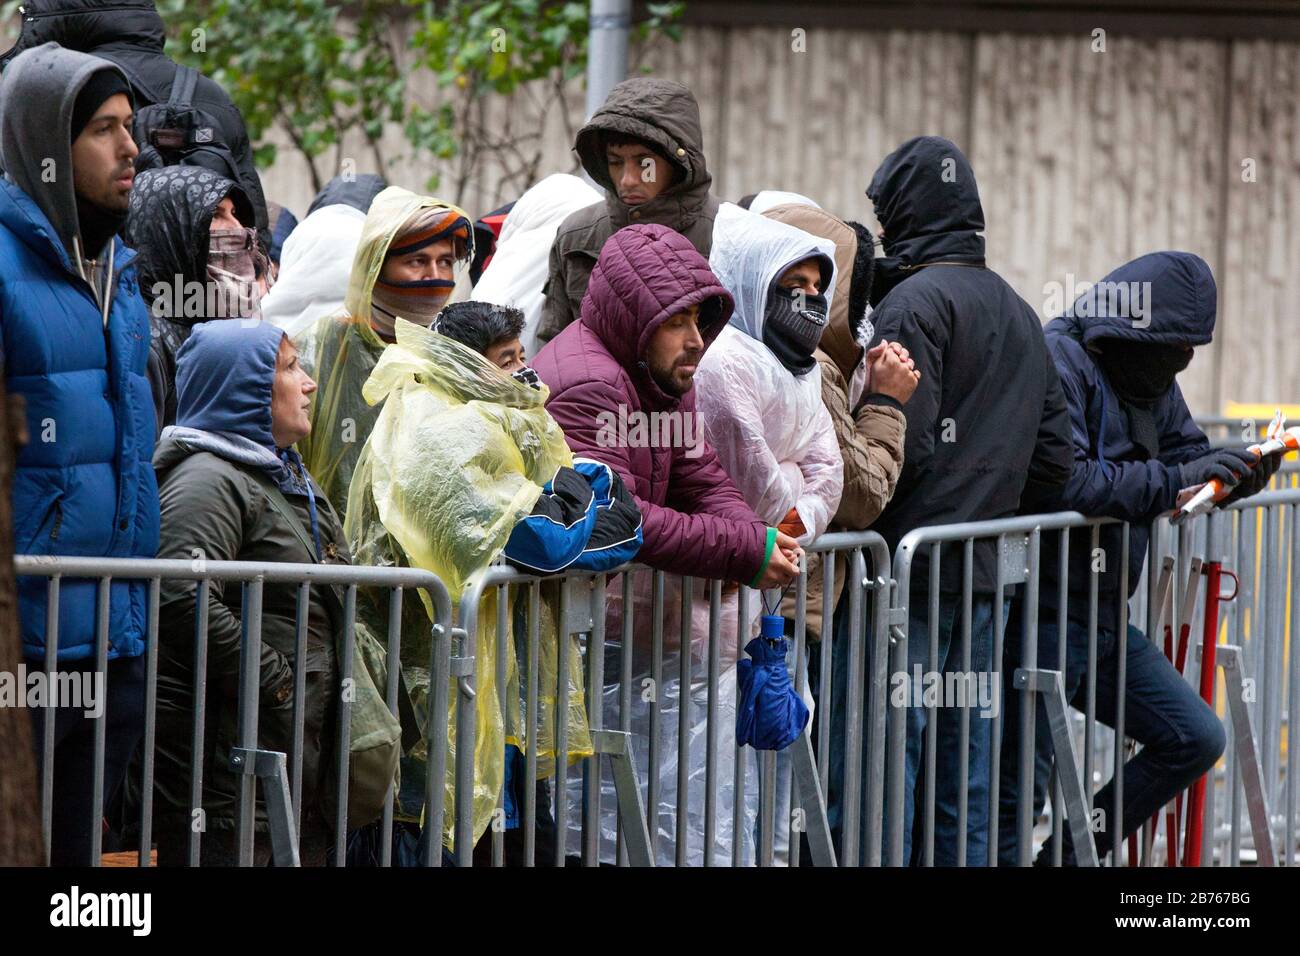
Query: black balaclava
1141	373
97	225
793	323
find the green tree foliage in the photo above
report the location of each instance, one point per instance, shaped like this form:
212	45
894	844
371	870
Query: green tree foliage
324	73
529	49
320	72
315	69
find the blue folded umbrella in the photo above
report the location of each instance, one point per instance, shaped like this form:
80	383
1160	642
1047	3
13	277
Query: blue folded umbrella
772	714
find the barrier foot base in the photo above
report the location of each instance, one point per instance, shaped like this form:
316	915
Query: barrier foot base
614	744
271	767
1050	685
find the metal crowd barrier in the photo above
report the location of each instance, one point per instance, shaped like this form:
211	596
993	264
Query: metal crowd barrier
1257	691
1252	812
1018	543
663	781
278	773
667	803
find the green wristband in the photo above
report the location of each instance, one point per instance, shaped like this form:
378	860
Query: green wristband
767	556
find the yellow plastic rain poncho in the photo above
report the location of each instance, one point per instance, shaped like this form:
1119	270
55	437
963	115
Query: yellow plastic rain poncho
458	454
340	350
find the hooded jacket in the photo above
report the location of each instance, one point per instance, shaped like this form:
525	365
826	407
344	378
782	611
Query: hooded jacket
171	214
1112	474
870	428
213	466
664	114
83	484
695	521
341	350
131	34
987	421
771	431
767	199
518	269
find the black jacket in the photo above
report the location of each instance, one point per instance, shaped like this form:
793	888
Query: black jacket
988	420
170	214
130	33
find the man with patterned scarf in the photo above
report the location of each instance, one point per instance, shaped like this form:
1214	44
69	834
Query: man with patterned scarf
404	266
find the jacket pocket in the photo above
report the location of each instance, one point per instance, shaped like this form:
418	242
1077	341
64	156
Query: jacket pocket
47	532
58	521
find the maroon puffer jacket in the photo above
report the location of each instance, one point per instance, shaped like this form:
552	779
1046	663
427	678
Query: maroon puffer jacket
695	520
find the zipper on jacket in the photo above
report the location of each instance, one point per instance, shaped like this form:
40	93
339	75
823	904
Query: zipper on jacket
58	520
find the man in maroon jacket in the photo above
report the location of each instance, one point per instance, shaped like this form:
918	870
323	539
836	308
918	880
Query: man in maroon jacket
622	388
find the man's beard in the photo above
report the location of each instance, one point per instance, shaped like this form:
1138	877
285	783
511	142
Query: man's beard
667	379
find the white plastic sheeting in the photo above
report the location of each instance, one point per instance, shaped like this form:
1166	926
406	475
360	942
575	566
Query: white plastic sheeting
668	692
520	265
314	268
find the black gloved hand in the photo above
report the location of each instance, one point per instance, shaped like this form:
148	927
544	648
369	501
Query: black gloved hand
1229	465
1256	479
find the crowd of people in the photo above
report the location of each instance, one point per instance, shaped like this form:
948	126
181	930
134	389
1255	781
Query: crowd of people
571	382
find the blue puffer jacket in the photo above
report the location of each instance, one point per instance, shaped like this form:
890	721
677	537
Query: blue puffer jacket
84	484
1112	474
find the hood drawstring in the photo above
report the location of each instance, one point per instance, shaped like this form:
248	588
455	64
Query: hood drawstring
76	260
294	464
104	297
108	283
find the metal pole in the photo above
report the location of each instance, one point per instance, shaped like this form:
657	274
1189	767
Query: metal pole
606	49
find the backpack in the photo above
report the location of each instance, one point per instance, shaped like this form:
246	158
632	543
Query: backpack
178	133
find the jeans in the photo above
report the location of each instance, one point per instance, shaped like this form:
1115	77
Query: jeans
981	703
72	830
1181	736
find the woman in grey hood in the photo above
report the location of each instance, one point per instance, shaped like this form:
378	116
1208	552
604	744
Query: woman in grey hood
232	487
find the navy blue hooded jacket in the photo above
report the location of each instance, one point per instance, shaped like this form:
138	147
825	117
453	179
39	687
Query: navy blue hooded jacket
1112	474
987	422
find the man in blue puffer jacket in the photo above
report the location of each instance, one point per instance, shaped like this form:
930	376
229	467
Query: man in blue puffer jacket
1118	349
75	338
